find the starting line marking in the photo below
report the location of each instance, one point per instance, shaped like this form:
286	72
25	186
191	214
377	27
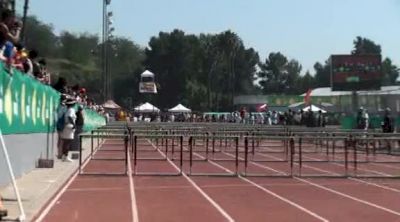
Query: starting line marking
205	195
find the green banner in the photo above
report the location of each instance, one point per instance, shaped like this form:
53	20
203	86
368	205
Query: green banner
28	106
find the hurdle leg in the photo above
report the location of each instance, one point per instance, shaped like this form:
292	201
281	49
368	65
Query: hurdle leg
291	155
190	155
166	148
237	155
346	158
80	154
135	155
300	156
91	145
181	160
246	149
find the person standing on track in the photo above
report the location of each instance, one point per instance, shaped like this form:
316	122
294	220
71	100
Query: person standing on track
62	108
67	135
80	121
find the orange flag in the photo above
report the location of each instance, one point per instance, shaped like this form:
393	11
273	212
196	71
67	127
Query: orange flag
307	97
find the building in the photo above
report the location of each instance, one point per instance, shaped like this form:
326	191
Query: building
342	101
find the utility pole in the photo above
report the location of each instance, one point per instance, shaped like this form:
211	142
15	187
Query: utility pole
26	7
105	77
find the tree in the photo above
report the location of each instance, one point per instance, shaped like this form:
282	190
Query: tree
78	48
40	36
306	82
322	74
390	72
293	76
204	71
365	46
278	75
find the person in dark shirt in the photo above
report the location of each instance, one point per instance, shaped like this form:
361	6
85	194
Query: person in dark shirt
310	119
79	123
387	126
321	119
61	85
10	28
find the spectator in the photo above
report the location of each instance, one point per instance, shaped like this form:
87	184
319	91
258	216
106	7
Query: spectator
365	119
387	125
10	28
80	121
61	110
320	119
297	118
61	85
31	66
67	135
359	118
9	36
274	118
310	118
45	76
20	57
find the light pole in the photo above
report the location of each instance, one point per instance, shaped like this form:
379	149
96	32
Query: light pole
25	14
106	37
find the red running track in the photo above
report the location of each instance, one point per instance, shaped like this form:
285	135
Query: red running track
198	198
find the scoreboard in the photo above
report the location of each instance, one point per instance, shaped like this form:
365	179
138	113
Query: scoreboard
356	72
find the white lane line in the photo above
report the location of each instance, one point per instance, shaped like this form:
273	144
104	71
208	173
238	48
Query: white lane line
364	169
216	205
347	196
305	165
350	197
385	165
376	185
257	164
93	189
285	200
367	182
134	208
362	181
358	168
64	188
272	193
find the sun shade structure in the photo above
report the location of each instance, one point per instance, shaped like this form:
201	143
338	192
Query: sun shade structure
180	109
147	83
313	108
109	104
147	108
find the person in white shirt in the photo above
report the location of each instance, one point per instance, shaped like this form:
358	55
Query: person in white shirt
67	135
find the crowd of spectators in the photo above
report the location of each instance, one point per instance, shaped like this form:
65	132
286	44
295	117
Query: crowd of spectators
15	55
78	94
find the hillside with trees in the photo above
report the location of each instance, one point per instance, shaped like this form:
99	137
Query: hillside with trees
203	71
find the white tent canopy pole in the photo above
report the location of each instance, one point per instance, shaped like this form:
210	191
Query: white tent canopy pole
22	216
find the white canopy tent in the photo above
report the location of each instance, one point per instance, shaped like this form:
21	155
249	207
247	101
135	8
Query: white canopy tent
147	108
110	104
147	73
313	108
180	109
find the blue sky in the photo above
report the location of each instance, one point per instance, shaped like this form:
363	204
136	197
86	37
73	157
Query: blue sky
306	30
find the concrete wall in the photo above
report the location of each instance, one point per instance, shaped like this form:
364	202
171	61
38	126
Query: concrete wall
24	151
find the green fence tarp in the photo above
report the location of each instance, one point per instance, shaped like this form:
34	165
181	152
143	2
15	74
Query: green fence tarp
28	106
349	122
